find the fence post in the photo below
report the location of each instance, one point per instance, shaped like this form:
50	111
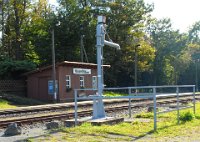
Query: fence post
194	101
177	96
154	105
76	107
129	104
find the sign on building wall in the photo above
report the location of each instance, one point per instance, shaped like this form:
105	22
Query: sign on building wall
81	71
50	87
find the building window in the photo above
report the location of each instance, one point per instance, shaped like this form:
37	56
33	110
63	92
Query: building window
82	82
68	81
94	82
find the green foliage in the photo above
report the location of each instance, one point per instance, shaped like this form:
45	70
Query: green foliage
14	100
186	116
113	94
4	104
194	33
172	55
15	16
10	69
197	116
144	115
165	56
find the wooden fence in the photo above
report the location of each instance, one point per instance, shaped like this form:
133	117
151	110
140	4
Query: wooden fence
12	86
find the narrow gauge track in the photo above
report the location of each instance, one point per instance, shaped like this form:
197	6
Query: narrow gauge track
69	115
67	106
50	107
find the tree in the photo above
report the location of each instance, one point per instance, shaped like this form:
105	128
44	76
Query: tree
125	26
16	16
194	33
37	33
171	47
193	47
10	69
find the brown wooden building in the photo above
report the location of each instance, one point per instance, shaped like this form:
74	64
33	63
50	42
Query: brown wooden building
69	76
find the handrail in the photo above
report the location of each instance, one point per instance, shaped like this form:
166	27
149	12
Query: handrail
146	95
138	87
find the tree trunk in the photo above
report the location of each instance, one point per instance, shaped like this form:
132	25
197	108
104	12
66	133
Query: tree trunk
19	16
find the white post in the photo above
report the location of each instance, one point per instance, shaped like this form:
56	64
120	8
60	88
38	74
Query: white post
178	112
194	101
154	110
129	106
76	107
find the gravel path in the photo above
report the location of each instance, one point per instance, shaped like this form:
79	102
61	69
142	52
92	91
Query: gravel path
27	132
39	130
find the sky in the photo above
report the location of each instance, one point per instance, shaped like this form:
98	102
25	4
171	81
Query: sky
183	13
53	2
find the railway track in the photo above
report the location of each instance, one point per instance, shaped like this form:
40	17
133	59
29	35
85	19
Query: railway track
68	106
46	117
54	107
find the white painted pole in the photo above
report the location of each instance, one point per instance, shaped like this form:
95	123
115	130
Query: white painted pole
154	105
194	101
129	104
178	111
76	107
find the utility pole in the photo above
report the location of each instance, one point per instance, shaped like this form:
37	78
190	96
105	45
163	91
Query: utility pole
82	48
53	67
196	75
2	20
136	62
83	52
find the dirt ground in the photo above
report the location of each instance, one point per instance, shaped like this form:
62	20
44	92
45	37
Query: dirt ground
41	134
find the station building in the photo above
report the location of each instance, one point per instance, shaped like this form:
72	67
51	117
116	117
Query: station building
69	76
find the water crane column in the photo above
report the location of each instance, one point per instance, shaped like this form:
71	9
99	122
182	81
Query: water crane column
98	106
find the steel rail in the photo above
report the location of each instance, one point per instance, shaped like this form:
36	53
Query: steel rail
50	117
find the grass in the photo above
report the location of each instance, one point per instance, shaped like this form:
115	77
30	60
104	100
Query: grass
167	128
11	100
113	94
4	104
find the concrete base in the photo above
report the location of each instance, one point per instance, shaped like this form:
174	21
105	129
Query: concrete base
71	122
106	120
96	122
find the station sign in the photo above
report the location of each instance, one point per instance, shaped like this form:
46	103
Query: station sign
81	71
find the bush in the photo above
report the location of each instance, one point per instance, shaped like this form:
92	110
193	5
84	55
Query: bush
18	100
187	116
113	94
197	116
145	115
10	69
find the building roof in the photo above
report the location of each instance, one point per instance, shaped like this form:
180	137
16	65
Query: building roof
65	63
